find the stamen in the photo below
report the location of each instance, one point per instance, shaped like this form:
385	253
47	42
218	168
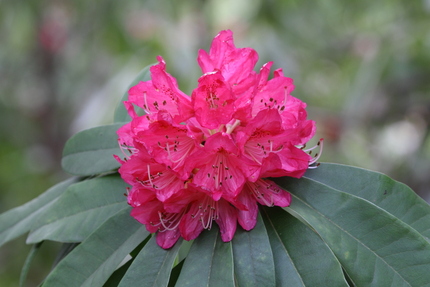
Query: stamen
123	148
168	150
265	197
217	177
208	214
171	221
316	157
149	175
284	103
145	106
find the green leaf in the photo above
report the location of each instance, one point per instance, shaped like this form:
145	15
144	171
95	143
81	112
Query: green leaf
390	195
176	271
253	259
27	263
152	266
117	276
185	248
20	220
65	249
121	114
80	210
209	262
374	247
91	151
301	256
93	261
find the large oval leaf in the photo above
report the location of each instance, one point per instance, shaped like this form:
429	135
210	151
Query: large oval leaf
91	151
253	259
152	266
121	114
374	247
93	261
392	196
20	220
209	262
301	257
80	210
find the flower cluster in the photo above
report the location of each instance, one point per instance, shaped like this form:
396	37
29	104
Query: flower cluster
194	160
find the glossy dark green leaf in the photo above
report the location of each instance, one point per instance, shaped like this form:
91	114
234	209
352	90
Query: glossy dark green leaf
20	220
374	247
253	259
93	261
121	114
301	256
152	266
91	151
209	262
80	210
392	196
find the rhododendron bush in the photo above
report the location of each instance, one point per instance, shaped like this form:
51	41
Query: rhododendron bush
220	188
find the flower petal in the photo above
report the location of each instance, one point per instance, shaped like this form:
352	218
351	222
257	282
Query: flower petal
161	93
138	195
168	238
275	94
191	225
290	161
168	144
235	64
148	214
268	193
227	220
213	101
247	218
219	168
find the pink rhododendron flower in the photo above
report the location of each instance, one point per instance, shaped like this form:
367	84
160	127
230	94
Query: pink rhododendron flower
194	160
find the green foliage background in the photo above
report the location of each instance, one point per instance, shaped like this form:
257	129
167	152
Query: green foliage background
363	67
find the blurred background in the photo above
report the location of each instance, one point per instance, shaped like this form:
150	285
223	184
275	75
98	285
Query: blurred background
363	67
